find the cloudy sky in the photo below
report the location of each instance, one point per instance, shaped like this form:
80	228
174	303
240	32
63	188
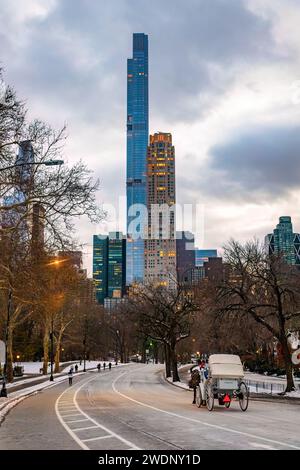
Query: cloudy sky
224	80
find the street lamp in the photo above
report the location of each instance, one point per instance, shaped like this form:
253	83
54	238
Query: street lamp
46	163
51	351
3	392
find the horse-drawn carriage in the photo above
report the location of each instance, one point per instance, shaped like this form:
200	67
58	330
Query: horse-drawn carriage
224	383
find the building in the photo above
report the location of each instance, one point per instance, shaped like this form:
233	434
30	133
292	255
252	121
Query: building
283	241
20	215
100	263
116	278
202	256
160	246
87	288
109	266
75	257
185	255
137	143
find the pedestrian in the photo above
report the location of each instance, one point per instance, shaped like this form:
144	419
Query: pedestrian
116	363
99	367
104	365
70	374
76	368
109	366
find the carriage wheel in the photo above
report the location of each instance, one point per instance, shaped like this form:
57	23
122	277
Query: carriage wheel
209	398
199	400
244	396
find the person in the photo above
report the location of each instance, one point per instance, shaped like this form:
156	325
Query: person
198	372
70	374
109	366
99	367
104	365
76	368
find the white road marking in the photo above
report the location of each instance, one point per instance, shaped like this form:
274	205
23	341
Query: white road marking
215	426
97	438
262	446
77	421
82	442
85	429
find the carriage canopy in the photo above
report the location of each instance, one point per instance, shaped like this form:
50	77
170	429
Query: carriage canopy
225	365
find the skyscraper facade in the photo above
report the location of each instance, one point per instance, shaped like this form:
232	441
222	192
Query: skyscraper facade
109	266
283	241
137	143
202	256
100	257
160	246
185	255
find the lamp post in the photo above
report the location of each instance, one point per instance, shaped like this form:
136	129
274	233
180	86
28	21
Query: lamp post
4	389
46	163
84	342
51	351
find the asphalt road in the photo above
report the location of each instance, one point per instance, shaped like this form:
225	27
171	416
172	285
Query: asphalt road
132	407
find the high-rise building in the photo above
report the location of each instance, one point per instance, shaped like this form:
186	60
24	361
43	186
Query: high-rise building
137	143
116	266
283	241
160	246
202	256
109	266
100	266
185	255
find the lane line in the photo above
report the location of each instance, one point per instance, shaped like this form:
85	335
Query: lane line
71	432
85	429
97	438
262	446
215	426
117	436
77	421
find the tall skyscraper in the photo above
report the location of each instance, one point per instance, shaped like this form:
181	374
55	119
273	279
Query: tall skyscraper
109	266
137	143
283	241
160	247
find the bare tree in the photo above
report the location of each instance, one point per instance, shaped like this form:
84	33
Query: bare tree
264	288
166	316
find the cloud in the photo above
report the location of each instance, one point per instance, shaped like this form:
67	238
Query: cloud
219	70
259	164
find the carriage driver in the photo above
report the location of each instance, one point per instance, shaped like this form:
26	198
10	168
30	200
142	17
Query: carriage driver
200	378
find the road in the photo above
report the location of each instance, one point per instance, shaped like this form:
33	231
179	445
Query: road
133	407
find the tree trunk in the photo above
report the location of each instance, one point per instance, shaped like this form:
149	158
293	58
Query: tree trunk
46	350
10	358
174	364
57	354
290	385
167	360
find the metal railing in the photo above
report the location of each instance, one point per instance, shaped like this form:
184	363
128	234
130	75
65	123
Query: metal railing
267	387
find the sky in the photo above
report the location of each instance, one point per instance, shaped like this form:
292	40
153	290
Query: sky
224	80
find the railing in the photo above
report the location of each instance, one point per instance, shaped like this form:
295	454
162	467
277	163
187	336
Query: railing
267	387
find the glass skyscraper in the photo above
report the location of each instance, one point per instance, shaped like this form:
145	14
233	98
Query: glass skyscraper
283	241
137	143
109	266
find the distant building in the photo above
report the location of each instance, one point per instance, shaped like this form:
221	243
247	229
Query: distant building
109	266
160	247
87	288
283	241
137	143
185	255
75	257
201	256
